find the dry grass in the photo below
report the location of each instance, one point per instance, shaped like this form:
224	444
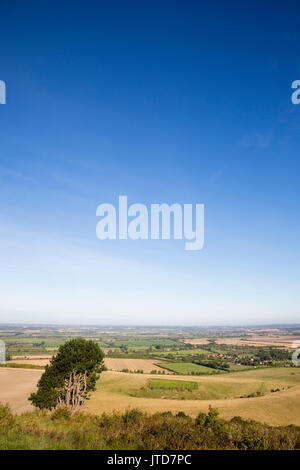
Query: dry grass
280	408
114	388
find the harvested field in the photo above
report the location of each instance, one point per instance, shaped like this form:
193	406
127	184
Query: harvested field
147	365
282	341
258	340
16	386
196	341
34	362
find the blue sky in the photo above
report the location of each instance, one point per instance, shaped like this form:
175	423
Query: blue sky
186	102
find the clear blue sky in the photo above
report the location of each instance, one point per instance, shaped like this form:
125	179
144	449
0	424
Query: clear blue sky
163	101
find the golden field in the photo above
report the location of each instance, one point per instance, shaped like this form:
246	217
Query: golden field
118	364
114	390
146	365
282	341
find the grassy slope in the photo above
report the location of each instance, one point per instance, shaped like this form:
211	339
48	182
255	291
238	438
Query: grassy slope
280	408
137	430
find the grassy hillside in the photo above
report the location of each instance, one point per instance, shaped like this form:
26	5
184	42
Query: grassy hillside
270	395
136	430
278	405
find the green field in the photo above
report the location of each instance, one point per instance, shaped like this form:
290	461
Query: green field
186	368
182	352
159	384
144	343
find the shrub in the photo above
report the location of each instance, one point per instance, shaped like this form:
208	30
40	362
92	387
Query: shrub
135	429
6	416
60	413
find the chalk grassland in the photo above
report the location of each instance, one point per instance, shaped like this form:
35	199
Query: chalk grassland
114	389
278	408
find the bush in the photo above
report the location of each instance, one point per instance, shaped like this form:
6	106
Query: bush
6	416
60	413
135	429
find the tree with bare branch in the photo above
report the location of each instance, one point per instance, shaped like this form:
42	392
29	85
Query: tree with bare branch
71	395
70	377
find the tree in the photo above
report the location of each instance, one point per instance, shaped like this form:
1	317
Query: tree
70	377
